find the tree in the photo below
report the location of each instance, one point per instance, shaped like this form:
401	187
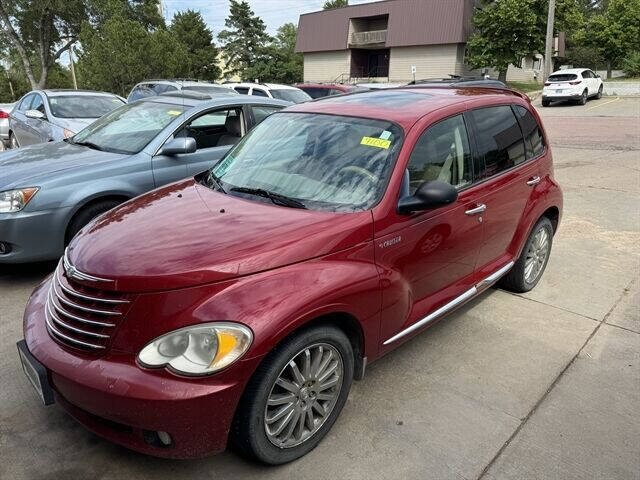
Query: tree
615	33
330	4
40	32
278	62
244	38
144	12
190	29
506	31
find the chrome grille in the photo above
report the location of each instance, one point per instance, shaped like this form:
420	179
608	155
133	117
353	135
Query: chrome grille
82	317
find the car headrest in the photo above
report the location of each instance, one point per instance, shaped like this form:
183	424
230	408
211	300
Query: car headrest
232	124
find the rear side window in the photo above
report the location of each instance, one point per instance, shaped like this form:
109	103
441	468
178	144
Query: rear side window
315	92
441	153
258	92
141	91
498	138
533	140
242	90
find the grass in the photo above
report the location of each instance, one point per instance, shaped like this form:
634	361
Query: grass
622	79
525	87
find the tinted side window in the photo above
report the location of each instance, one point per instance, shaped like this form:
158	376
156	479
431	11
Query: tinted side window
242	90
139	92
498	138
261	112
315	92
25	104
37	104
533	140
333	91
586	74
441	153
259	92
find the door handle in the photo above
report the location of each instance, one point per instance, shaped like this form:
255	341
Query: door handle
533	181
479	209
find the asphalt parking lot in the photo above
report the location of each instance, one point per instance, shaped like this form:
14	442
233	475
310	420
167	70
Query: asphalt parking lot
544	385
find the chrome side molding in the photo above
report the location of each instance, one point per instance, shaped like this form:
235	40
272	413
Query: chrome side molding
452	304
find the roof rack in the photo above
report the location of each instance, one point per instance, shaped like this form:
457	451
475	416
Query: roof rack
460	80
174	80
190	94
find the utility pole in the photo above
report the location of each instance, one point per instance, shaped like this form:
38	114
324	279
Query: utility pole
548	46
73	70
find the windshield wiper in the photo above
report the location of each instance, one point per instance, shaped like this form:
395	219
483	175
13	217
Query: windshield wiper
213	179
274	197
90	145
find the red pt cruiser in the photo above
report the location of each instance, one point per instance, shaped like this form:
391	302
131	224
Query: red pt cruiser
243	302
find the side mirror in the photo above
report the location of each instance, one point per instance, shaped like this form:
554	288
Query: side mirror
179	146
598	75
429	195
34	114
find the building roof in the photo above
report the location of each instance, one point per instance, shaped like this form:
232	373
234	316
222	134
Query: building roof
404	106
411	22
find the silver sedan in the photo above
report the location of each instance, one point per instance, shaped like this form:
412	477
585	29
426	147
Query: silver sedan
52	115
5	110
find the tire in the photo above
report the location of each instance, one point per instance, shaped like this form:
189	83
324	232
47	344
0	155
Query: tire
599	94
517	279
583	98
2	146
13	141
249	430
85	215
545	103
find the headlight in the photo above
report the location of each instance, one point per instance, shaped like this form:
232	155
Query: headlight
16	200
68	133
199	349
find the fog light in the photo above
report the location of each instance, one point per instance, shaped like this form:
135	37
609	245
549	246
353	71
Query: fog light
165	438
4	248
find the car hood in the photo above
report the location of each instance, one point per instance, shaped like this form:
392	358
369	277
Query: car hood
186	234
24	166
74	124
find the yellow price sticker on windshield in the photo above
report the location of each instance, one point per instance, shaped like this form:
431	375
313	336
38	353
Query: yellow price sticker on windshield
375	142
174	112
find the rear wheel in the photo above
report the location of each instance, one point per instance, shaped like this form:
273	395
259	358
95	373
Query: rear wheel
2	146
528	270
545	103
295	396
87	214
583	98
13	141
599	94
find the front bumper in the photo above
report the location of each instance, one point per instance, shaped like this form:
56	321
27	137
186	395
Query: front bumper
116	399
33	236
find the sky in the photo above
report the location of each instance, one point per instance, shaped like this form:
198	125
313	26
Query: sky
273	12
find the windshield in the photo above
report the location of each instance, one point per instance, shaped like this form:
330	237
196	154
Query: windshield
83	106
129	128
325	162
562	77
211	89
291	95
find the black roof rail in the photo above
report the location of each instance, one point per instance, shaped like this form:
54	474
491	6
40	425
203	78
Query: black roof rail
190	94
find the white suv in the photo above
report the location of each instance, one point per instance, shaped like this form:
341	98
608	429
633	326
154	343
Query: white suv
577	84
149	88
271	90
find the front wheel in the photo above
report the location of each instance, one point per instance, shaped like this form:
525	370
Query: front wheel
528	269
295	396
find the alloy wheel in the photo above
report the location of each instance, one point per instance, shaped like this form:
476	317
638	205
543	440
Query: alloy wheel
304	395
536	255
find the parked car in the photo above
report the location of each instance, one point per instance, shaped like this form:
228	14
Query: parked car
48	192
149	88
52	115
319	90
576	84
5	110
271	90
243	301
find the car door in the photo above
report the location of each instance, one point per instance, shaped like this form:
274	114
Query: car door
38	128
507	178
213	140
428	258
18	120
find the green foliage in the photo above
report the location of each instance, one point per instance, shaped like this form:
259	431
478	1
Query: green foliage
506	31
122	52
189	28
244	38
278	62
329	4
142	11
631	65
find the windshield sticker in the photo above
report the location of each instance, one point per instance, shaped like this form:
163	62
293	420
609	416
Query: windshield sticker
174	112
386	135
220	169
375	142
